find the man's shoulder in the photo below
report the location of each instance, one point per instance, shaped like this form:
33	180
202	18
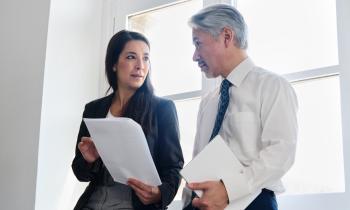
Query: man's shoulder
263	75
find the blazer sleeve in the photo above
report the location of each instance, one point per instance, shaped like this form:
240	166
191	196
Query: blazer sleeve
170	158
83	170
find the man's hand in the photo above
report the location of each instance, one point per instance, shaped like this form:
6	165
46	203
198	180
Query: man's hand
88	149
214	195
146	193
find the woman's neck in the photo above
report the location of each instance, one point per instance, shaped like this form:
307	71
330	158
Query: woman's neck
121	98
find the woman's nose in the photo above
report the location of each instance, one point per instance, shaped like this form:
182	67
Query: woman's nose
140	64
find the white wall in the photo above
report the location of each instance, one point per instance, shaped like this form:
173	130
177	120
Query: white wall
50	59
73	63
23	32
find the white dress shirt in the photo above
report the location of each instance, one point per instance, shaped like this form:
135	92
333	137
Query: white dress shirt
260	127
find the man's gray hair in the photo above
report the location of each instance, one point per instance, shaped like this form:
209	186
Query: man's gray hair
214	19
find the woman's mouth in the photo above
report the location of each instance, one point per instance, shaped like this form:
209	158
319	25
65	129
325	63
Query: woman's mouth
137	76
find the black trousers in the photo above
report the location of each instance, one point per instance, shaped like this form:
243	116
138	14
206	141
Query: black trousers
266	200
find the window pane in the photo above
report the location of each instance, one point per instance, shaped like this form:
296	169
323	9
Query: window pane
319	165
291	35
173	70
187	112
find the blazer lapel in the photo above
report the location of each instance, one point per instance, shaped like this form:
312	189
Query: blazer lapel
104	106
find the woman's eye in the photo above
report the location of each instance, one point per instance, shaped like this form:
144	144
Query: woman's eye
146	58
130	57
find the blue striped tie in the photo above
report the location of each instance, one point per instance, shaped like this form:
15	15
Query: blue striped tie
223	104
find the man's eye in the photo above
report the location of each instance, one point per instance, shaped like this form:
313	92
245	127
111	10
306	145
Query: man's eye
146	58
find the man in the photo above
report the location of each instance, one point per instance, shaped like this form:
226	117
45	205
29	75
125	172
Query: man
254	111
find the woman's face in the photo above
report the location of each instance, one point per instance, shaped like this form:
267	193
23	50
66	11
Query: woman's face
133	65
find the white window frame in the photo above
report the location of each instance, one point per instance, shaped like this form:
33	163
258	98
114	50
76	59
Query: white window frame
327	201
115	15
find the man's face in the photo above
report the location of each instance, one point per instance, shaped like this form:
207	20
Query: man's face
208	52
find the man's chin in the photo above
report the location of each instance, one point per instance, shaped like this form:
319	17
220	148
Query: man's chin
208	75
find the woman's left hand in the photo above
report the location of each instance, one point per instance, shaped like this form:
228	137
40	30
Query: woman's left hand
146	193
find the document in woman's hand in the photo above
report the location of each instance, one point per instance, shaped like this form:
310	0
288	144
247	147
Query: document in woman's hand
123	148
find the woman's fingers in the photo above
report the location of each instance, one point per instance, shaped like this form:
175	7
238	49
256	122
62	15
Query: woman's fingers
147	193
87	148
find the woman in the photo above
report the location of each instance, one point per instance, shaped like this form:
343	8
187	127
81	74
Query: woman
127	69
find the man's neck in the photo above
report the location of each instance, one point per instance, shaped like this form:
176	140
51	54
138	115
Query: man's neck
233	60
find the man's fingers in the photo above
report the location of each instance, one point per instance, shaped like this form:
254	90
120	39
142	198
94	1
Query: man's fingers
199	185
199	203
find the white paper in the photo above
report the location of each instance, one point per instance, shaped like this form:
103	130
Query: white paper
123	148
210	164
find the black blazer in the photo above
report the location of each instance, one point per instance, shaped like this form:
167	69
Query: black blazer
163	143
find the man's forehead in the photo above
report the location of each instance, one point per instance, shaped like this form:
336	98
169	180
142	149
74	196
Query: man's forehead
196	34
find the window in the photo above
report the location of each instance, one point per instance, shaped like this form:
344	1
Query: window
292	35
173	72
292	45
297	39
319	164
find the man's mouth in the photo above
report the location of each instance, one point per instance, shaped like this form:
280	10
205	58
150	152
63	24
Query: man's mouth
202	64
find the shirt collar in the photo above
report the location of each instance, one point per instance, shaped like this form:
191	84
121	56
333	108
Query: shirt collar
240	72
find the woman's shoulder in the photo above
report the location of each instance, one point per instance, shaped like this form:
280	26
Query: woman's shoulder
163	103
97	102
165	109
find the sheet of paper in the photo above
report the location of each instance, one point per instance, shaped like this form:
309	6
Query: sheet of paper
213	161
123	148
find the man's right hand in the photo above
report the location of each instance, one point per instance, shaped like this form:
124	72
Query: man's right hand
88	149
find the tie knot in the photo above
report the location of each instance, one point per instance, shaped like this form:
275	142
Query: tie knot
225	85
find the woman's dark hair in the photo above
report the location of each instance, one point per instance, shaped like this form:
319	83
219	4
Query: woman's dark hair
140	105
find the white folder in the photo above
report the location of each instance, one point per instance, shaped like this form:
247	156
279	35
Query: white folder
211	163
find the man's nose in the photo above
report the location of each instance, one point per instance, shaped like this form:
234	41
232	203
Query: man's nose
195	56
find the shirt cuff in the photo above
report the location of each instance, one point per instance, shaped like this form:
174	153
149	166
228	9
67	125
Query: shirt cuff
238	184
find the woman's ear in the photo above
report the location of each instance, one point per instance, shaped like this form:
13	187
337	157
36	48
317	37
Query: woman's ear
114	68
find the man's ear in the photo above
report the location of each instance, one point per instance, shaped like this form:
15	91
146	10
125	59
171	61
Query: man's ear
228	36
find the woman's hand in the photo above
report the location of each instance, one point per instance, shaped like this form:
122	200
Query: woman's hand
88	149
146	193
